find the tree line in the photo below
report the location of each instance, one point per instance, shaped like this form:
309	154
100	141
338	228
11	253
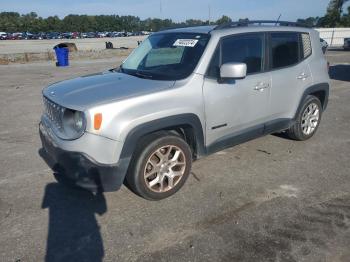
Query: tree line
15	22
334	17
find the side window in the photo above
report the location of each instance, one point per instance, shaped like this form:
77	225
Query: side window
306	45
285	49
246	49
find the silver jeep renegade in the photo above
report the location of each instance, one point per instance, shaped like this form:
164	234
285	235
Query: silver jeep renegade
181	95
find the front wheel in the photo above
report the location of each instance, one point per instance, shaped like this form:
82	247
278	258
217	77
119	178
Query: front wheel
307	120
160	167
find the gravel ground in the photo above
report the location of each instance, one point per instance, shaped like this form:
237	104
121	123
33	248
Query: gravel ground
271	199
39	46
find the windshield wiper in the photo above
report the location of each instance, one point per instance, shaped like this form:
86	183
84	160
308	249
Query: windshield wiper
135	73
117	69
142	75
113	69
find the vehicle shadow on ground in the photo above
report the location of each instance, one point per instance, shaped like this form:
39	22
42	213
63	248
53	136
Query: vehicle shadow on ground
73	233
340	72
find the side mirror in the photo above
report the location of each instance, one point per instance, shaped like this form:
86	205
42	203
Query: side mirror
233	70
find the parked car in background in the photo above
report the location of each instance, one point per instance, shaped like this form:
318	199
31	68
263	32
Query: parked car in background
15	36
91	35
28	36
54	35
114	34
75	35
346	45
111	34
41	36
101	34
145	122
70	35
324	45
137	33
67	35
3	35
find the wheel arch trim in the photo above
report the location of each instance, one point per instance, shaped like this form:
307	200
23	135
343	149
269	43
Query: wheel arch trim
174	121
324	87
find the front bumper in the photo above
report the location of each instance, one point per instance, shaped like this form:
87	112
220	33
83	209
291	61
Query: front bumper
78	168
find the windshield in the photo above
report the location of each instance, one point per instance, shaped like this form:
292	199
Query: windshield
168	56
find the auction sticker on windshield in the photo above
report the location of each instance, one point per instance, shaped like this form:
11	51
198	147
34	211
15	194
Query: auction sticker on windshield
185	42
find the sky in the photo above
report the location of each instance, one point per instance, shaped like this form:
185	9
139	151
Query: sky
177	10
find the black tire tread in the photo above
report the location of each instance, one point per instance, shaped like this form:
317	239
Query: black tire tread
142	150
295	132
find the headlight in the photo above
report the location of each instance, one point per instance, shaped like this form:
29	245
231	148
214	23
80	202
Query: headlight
73	123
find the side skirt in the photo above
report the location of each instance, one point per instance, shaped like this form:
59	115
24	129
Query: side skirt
249	134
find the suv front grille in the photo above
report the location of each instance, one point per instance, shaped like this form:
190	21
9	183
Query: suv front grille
53	111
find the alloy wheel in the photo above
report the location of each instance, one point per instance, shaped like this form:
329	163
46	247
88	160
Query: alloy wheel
164	168
310	119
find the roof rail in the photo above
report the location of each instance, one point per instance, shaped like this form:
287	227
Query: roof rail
179	27
258	22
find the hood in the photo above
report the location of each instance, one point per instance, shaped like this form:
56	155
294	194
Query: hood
86	91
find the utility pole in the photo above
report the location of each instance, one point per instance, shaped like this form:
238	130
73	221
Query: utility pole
160	8
209	14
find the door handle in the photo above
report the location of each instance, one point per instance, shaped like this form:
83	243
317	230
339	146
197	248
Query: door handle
261	86
302	76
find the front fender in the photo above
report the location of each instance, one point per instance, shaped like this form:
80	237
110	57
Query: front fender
136	133
169	122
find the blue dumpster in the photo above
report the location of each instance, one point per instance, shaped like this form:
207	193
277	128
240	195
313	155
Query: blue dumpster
62	56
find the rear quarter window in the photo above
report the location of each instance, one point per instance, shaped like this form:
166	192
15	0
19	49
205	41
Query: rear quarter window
306	45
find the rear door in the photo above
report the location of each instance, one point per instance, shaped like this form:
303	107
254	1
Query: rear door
290	71
236	105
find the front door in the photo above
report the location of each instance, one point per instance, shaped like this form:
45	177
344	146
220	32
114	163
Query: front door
237	106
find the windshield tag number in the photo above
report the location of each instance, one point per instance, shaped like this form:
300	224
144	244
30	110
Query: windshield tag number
185	42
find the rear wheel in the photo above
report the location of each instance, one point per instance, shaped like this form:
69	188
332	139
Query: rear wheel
160	167
307	121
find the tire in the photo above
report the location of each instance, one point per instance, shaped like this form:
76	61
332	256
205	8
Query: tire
153	173
307	120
